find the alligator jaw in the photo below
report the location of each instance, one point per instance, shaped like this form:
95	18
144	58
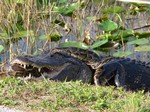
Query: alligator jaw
21	68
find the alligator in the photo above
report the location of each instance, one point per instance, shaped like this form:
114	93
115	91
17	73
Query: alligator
58	67
71	63
125	72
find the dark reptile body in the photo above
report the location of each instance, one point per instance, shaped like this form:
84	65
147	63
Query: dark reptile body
128	73
59	66
87	56
124	72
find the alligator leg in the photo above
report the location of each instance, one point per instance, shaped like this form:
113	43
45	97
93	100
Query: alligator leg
99	69
110	70
97	74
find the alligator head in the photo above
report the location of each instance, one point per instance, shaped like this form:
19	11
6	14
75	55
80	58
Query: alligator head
55	67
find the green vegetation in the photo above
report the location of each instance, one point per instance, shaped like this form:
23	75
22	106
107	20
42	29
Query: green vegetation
45	95
90	24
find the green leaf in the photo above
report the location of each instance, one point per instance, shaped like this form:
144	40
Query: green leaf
91	18
108	25
122	54
1	48
20	1
14	1
43	37
23	34
4	36
113	9
142	48
127	33
122	34
99	43
148	7
36	52
142	34
117	35
62	1
55	36
68	9
74	44
139	41
109	45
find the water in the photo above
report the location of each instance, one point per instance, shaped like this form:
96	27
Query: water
78	28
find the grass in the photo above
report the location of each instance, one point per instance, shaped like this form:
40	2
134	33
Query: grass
45	95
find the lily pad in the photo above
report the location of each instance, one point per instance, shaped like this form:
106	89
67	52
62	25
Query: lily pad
99	43
67	10
142	48
139	41
113	9
108	25
74	44
122	54
142	34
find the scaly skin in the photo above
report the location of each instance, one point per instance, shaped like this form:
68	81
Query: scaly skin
127	73
59	67
77	64
87	56
130	74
